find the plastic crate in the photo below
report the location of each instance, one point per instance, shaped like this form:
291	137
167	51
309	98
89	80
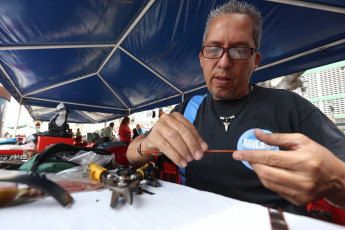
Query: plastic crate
44	142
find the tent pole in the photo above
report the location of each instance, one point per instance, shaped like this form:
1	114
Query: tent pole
20	109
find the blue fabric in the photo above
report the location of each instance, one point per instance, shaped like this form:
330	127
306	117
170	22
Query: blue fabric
12	140
192	107
189	114
89	75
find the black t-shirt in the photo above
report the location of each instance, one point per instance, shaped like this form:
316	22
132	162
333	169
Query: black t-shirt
277	111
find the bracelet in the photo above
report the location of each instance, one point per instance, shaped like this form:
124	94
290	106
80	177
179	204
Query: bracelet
139	151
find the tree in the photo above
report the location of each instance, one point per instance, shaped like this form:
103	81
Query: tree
288	82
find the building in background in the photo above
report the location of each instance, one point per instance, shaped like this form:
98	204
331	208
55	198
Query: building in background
5	97
325	88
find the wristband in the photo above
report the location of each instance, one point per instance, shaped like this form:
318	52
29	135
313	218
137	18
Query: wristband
139	151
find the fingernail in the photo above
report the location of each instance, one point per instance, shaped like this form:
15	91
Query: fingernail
198	155
204	146
183	163
237	156
189	158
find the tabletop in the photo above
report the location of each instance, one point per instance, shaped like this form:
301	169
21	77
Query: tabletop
172	206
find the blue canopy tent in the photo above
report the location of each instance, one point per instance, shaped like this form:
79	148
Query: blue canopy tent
107	58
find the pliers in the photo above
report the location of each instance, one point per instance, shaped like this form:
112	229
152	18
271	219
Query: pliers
123	182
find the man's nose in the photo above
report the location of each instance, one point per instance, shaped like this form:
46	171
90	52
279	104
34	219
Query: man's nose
225	60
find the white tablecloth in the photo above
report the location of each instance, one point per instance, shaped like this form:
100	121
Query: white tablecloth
171	207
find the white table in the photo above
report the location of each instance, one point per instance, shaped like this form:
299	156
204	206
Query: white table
172	207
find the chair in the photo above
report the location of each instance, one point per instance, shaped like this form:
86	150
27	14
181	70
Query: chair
169	169
120	155
337	214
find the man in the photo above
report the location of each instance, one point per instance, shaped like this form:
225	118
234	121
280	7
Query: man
227	117
78	133
108	133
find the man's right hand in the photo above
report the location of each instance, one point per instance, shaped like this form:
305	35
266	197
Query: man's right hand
176	137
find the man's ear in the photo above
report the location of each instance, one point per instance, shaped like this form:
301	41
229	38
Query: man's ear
257	60
201	59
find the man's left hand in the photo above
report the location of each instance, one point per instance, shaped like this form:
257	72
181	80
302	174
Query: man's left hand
305	173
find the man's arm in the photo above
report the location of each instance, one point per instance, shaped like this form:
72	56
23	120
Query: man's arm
305	173
173	135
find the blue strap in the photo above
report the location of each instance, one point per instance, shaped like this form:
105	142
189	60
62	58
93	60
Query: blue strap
190	114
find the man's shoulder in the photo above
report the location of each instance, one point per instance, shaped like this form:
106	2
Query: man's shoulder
181	107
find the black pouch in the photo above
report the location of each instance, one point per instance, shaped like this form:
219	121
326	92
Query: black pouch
58	123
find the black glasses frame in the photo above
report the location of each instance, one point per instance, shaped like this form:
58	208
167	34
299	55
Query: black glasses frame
253	50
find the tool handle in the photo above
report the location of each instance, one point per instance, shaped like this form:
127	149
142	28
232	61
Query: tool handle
96	171
146	171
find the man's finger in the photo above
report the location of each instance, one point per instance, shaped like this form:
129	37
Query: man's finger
281	159
279	139
166	147
194	141
293	186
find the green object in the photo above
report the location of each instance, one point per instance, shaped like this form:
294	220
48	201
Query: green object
53	167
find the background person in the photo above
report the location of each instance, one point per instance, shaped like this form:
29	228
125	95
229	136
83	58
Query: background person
124	131
305	161
78	133
108	133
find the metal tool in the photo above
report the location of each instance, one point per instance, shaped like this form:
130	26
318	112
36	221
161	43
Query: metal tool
40	181
124	182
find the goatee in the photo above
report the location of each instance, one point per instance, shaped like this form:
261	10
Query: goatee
219	96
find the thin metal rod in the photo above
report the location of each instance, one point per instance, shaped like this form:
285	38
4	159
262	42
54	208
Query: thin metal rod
136	21
339	42
166	98
151	70
20	110
10	80
86	116
72	103
312	5
208	151
112	90
56	46
58	84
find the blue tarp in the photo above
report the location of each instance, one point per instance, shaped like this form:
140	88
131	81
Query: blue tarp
116	57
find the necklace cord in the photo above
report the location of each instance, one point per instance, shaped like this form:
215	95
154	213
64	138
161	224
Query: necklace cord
235	115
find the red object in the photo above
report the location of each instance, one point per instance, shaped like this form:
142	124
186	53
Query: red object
125	134
91	145
79	142
43	142
170	169
11	152
83	144
120	155
78	139
337	214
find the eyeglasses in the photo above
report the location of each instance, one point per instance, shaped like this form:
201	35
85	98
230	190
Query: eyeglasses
235	53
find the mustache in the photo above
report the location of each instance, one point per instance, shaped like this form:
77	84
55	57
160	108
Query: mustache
221	73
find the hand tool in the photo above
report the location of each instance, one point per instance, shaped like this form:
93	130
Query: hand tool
40	181
124	182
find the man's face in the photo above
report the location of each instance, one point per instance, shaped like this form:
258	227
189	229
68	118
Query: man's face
226	78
